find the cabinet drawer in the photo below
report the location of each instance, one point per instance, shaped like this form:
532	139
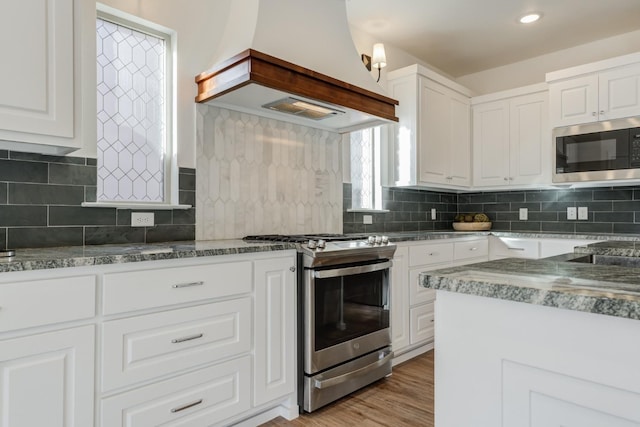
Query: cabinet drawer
201	398
505	247
144	347
471	249
430	254
422	323
418	294
142	289
42	302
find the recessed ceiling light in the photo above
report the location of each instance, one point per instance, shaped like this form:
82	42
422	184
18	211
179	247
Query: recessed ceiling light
529	18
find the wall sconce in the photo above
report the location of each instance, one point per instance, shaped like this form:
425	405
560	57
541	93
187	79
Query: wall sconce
377	60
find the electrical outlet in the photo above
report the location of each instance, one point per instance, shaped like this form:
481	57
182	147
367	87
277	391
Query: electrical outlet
367	219
572	213
142	219
524	214
433	213
583	213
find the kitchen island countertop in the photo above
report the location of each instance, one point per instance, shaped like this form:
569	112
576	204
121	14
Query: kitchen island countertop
79	256
600	289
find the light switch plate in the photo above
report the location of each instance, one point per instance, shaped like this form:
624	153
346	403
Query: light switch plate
524	214
583	213
572	213
367	219
433	213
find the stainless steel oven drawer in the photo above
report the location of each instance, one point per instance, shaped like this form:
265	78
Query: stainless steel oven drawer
334	383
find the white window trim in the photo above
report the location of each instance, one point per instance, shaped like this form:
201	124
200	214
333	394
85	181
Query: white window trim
377	159
171	170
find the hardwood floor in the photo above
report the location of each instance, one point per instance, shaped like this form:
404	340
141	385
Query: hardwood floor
403	400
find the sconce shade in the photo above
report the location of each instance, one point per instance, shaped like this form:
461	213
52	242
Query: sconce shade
379	58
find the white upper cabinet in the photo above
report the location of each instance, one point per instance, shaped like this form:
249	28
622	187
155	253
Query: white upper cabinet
512	139
431	143
37	76
594	92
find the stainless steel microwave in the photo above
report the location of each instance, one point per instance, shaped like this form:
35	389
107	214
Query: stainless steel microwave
599	151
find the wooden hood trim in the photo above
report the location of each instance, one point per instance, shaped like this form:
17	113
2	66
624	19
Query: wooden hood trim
251	66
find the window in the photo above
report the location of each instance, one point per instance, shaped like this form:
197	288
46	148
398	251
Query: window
134	114
366	187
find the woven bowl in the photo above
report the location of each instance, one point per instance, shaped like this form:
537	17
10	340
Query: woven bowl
471	226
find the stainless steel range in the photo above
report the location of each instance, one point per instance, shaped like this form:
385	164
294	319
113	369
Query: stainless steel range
343	292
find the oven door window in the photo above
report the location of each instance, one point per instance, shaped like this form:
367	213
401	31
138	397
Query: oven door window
348	307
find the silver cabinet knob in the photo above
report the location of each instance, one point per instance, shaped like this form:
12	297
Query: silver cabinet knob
292	269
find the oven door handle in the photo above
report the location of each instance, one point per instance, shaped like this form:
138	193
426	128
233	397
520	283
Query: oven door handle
347	271
331	382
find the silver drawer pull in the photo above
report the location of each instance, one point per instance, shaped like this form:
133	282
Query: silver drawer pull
473	249
187	285
516	249
433	253
187	406
189	338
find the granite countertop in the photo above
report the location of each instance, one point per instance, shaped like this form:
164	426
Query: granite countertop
79	256
600	289
408	236
611	248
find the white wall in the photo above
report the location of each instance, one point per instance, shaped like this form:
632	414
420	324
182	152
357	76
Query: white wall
533	70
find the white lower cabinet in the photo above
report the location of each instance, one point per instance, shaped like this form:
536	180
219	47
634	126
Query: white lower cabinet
200	398
206	341
226	357
421	319
274	330
412	305
531	248
46	379
143	347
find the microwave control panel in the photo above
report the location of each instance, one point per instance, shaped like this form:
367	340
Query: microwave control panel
634	149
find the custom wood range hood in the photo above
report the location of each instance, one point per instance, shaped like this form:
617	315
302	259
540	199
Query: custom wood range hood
294	60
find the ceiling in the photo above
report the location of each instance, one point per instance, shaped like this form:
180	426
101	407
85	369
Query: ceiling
461	37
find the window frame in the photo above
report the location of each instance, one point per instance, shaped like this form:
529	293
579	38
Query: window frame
170	166
377	157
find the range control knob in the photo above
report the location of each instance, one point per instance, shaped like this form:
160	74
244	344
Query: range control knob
371	240
312	244
378	240
321	244
385	240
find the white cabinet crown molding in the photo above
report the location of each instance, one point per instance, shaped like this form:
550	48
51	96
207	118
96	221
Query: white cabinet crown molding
593	67
510	93
430	74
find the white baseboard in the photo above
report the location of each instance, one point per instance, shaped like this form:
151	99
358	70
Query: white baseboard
412	353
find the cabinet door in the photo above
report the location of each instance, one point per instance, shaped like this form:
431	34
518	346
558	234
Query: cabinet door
36	81
422	323
274	329
491	144
434	138
443	135
460	141
619	93
530	140
574	101
400	337
47	379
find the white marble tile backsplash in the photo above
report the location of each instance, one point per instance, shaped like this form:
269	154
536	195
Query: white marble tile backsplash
261	176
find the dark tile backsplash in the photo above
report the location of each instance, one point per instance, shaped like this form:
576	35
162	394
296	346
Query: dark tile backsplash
611	210
409	210
40	199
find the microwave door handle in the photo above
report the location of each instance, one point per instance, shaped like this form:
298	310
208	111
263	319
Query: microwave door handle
347	271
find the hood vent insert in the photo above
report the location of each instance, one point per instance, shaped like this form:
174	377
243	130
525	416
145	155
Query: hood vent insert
301	108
